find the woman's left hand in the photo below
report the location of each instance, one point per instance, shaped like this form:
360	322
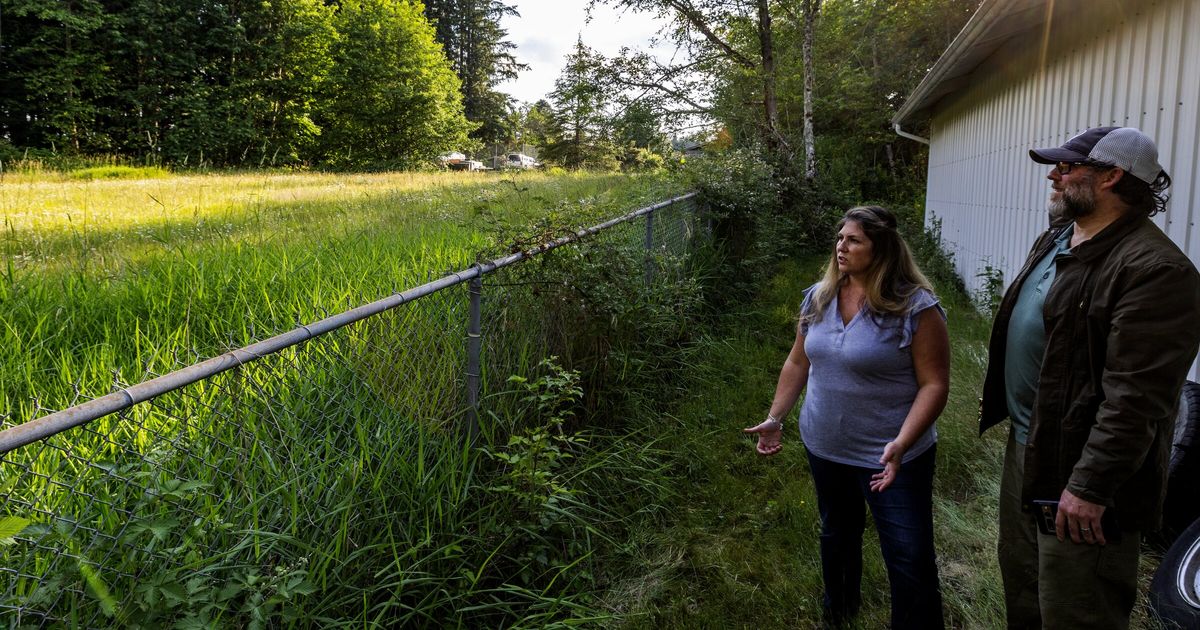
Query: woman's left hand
892	454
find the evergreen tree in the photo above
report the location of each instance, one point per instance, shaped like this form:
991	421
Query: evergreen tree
275	83
172	58
580	120
639	138
175	80
533	124
475	44
638	126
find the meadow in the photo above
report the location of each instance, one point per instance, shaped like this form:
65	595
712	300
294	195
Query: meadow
329	483
104	276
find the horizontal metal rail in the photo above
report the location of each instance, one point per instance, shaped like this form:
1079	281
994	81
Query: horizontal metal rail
54	423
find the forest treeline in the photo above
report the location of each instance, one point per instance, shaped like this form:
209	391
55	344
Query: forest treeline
375	84
350	84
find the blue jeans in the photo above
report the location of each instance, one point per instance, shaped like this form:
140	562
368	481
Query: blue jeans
903	517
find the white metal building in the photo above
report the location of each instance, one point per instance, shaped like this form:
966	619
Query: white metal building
1033	73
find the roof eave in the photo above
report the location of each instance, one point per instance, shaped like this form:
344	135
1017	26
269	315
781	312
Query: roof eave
985	17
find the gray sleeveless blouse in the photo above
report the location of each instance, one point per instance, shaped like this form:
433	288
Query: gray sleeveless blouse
861	382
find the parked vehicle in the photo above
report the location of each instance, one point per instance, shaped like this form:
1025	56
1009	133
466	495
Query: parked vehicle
1175	589
521	161
456	161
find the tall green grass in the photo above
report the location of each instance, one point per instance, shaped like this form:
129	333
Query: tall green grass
331	484
125	276
119	172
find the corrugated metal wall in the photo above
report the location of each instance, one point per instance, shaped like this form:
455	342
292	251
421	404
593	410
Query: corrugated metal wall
1138	68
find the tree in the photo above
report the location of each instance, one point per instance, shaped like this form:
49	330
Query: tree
639	137
168	80
482	58
638	126
54	73
275	80
707	30
226	82
581	123
392	100
223	82
870	54
174	61
533	124
811	7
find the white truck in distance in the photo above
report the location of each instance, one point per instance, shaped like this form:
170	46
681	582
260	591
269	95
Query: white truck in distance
521	161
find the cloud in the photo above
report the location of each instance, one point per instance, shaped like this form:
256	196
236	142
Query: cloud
539	52
546	31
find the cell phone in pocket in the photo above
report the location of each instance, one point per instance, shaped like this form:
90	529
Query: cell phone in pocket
1046	512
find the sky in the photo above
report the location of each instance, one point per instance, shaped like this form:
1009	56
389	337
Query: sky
546	32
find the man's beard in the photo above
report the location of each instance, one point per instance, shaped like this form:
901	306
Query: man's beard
1077	200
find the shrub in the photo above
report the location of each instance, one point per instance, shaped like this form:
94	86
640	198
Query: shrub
641	159
935	260
761	213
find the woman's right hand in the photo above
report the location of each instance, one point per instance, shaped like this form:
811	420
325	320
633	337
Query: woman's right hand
770	437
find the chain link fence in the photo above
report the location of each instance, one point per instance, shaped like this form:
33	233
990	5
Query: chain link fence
262	478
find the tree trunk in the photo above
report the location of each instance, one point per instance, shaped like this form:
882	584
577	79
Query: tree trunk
811	7
770	103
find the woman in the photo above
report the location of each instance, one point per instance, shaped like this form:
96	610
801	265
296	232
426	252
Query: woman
873	352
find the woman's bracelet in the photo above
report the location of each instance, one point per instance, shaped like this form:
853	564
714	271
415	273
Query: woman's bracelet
778	424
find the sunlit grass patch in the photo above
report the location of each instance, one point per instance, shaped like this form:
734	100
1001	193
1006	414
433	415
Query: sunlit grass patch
103	276
119	172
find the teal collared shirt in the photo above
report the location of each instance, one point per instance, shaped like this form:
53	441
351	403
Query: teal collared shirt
1027	338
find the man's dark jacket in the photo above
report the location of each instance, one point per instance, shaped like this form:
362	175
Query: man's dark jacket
1122	327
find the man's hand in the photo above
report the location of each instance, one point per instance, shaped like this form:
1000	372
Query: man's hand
1080	519
770	437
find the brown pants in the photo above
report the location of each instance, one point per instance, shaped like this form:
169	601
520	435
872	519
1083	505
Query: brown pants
1060	585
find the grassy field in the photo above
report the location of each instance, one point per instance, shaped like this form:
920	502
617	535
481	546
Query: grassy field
102	275
329	484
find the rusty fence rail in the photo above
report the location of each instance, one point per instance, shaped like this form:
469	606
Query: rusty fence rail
98	499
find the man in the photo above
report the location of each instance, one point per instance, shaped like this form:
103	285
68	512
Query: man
1088	354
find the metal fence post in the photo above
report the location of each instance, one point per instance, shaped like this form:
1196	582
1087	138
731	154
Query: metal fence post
649	247
474	346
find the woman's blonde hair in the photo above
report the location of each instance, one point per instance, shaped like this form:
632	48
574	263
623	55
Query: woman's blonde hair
892	278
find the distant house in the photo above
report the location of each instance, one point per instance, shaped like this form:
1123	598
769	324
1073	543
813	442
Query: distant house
689	148
1033	73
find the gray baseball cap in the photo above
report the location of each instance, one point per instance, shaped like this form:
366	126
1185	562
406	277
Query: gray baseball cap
1123	147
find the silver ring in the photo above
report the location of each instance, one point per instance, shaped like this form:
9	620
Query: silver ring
1085	529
